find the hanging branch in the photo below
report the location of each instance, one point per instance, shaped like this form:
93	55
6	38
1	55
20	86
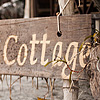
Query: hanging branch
32	81
46	79
16	80
27	78
10	86
7	82
37	83
51	87
20	83
2	79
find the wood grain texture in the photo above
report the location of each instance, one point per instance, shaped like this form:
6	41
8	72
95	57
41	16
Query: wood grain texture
74	29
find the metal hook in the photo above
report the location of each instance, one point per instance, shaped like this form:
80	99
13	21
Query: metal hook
59	33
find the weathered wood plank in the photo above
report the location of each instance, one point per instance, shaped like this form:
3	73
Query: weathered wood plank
27	44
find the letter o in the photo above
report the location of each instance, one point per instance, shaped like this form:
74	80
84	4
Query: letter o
19	55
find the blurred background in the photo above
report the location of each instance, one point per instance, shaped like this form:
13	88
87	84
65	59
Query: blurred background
10	9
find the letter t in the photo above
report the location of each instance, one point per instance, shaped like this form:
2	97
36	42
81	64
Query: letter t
44	42
33	42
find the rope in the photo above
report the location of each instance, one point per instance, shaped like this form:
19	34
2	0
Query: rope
63	8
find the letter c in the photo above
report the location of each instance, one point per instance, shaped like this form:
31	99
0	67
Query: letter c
5	50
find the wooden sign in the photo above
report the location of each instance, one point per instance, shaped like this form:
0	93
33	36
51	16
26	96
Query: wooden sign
26	45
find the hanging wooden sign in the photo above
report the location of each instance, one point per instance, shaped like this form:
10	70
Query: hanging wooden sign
26	45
